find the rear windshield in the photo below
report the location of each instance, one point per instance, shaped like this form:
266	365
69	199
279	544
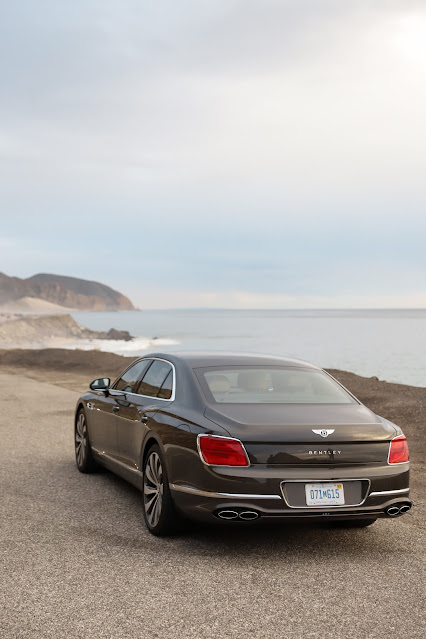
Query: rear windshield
270	384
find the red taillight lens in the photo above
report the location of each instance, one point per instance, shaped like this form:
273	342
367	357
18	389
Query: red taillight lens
222	451
398	450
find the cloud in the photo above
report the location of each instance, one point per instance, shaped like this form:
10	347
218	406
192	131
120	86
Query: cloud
274	148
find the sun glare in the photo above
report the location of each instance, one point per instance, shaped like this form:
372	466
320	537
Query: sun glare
411	37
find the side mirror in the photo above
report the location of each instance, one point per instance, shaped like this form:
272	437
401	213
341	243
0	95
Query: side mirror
101	384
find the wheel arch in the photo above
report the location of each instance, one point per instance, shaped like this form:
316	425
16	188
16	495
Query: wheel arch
79	406
149	441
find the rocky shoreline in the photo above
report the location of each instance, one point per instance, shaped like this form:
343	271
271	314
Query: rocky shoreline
44	331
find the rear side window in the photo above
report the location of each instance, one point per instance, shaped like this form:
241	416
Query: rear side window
166	387
130	379
158	380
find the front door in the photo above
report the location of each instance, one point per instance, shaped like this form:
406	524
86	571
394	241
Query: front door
102	423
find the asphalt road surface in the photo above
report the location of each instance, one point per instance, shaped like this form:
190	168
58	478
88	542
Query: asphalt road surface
76	559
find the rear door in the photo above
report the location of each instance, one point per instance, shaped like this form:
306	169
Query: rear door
105	410
154	390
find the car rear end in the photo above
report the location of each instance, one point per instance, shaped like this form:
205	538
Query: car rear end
294	460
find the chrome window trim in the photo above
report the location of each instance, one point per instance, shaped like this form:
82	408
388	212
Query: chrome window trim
103	455
160	399
324	481
389	492
344	387
208	493
235	439
390	444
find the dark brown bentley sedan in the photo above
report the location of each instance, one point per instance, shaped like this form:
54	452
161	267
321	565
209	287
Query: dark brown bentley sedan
242	438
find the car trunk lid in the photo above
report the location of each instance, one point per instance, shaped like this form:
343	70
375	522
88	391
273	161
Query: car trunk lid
306	433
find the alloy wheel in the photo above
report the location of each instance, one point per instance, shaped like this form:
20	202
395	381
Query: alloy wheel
80	439
153	488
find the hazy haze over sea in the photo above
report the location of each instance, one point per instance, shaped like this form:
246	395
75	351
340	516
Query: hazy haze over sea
390	344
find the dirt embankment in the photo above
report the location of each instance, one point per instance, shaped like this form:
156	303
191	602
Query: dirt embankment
38	331
58	365
401	404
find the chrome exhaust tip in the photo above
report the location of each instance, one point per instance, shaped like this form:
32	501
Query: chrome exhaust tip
405	508
227	514
392	511
248	515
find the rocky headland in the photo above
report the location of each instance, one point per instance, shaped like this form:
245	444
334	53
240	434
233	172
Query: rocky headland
46	292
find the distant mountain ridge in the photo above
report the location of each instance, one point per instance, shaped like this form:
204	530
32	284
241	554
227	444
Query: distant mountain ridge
64	291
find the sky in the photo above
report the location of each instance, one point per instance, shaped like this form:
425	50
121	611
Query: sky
217	153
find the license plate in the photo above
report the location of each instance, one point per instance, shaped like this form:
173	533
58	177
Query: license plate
324	494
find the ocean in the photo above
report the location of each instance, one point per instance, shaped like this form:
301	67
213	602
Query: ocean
389	344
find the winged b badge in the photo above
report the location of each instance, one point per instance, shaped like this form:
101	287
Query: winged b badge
323	431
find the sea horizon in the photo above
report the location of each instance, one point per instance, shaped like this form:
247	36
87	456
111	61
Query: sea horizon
387	343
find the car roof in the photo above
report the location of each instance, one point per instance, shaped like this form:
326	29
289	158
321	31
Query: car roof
197	359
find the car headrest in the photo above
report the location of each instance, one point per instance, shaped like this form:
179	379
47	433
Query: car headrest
253	380
219	383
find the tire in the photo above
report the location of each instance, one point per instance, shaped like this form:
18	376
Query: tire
159	512
83	452
355	523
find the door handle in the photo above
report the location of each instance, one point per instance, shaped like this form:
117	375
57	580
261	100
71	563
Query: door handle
115	409
144	419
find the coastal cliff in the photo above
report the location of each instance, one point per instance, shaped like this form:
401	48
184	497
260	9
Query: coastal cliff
60	291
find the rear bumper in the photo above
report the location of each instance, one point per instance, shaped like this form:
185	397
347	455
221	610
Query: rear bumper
262	490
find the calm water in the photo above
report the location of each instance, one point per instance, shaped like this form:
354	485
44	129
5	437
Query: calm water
388	344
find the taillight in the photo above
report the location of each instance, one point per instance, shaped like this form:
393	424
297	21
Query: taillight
398	450
222	451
